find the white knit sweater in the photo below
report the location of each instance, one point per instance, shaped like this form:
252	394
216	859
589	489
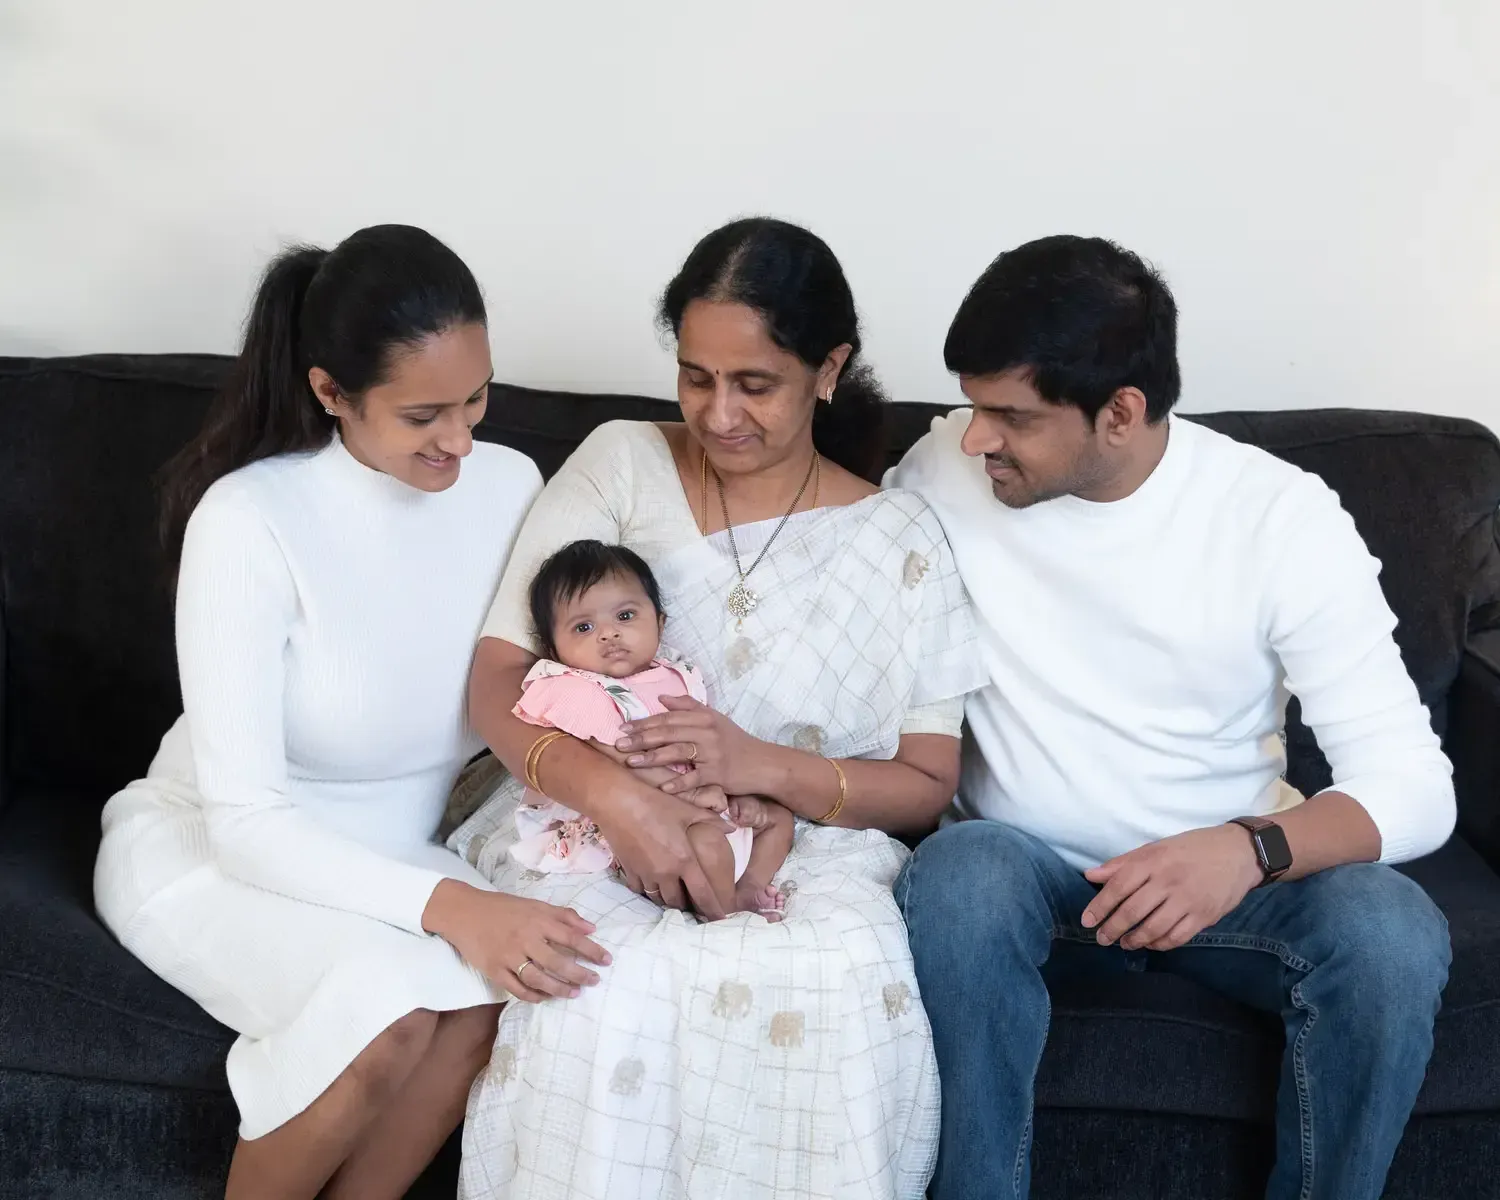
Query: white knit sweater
1142	651
326	619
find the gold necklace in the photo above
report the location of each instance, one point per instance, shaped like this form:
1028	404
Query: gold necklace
742	601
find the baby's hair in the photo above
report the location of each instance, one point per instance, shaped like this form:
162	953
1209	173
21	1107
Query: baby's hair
574	569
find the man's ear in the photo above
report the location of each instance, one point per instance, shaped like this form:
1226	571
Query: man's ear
1122	416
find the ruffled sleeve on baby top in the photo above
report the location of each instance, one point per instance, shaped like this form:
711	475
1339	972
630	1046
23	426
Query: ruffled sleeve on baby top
573	703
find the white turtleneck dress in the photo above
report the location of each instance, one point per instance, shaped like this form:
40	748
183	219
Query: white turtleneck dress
275	863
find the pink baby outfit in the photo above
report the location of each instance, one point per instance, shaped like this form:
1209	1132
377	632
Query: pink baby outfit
553	838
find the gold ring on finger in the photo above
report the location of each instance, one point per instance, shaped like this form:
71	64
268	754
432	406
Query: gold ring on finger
692	752
522	968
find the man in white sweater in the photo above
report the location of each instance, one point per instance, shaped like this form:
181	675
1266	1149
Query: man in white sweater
1151	594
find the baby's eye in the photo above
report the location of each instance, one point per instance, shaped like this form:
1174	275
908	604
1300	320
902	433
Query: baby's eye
583	627
625	614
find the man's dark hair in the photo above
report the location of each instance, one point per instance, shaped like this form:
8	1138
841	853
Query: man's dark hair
1082	317
574	569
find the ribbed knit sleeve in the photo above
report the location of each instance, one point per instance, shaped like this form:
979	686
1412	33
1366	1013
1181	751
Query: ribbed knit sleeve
236	600
1331	627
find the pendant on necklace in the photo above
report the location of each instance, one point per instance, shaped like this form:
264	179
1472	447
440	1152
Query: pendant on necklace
741	602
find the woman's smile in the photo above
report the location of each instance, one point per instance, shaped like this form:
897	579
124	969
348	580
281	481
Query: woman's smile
730	442
440	462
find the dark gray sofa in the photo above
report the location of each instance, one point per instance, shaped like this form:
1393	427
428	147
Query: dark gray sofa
112	1085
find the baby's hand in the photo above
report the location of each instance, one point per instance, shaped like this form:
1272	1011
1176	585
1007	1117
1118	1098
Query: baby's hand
709	796
748	812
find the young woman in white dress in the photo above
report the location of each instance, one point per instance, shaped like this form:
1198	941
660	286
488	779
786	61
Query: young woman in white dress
340	536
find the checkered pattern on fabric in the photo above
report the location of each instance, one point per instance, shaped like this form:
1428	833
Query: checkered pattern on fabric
740	1059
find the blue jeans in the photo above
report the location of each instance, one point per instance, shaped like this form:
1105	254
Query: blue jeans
1353	960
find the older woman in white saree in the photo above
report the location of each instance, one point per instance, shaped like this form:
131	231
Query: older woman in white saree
736	1057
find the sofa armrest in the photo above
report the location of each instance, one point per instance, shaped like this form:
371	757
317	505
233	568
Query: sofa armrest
1473	744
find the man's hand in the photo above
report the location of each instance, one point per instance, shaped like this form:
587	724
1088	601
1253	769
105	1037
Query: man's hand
1158	896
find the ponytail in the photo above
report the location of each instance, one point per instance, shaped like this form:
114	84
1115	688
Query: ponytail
267	406
791	278
349	311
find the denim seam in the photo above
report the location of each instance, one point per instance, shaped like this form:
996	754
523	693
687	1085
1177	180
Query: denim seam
1023	1151
1247	941
1304	1101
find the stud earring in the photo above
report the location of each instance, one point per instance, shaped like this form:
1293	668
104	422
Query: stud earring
828	399
330	412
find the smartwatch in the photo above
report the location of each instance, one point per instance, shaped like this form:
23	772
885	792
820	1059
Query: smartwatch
1270	846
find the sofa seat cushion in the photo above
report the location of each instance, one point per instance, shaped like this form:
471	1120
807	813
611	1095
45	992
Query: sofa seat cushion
1152	1042
73	1002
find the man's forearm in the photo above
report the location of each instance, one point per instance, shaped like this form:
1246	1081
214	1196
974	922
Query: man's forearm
1327	830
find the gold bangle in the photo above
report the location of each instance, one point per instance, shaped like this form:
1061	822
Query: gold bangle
843	793
534	756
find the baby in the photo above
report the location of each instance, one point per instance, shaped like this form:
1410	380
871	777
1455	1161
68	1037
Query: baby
597	612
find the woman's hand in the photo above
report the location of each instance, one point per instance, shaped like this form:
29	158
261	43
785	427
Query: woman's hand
715	749
648	832
709	796
530	949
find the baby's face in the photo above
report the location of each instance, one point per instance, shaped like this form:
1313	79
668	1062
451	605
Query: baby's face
611	629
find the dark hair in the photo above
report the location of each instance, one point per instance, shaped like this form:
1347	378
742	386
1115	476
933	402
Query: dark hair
1083	316
792	279
574	569
351	311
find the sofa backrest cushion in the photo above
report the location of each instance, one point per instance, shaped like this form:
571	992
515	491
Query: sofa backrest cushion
91	679
86	617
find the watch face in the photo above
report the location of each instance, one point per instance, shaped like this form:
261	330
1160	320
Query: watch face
1275	854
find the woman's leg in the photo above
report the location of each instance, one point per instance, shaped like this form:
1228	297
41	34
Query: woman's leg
396	1146
295	1160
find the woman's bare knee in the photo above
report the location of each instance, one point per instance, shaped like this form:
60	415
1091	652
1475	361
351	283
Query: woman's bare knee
468	1034
383	1065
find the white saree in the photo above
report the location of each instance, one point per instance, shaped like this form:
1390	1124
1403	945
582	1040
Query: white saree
742	1059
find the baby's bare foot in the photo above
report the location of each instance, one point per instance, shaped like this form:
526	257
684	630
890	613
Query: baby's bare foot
767	901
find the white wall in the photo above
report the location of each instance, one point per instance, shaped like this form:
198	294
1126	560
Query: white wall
1320	179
